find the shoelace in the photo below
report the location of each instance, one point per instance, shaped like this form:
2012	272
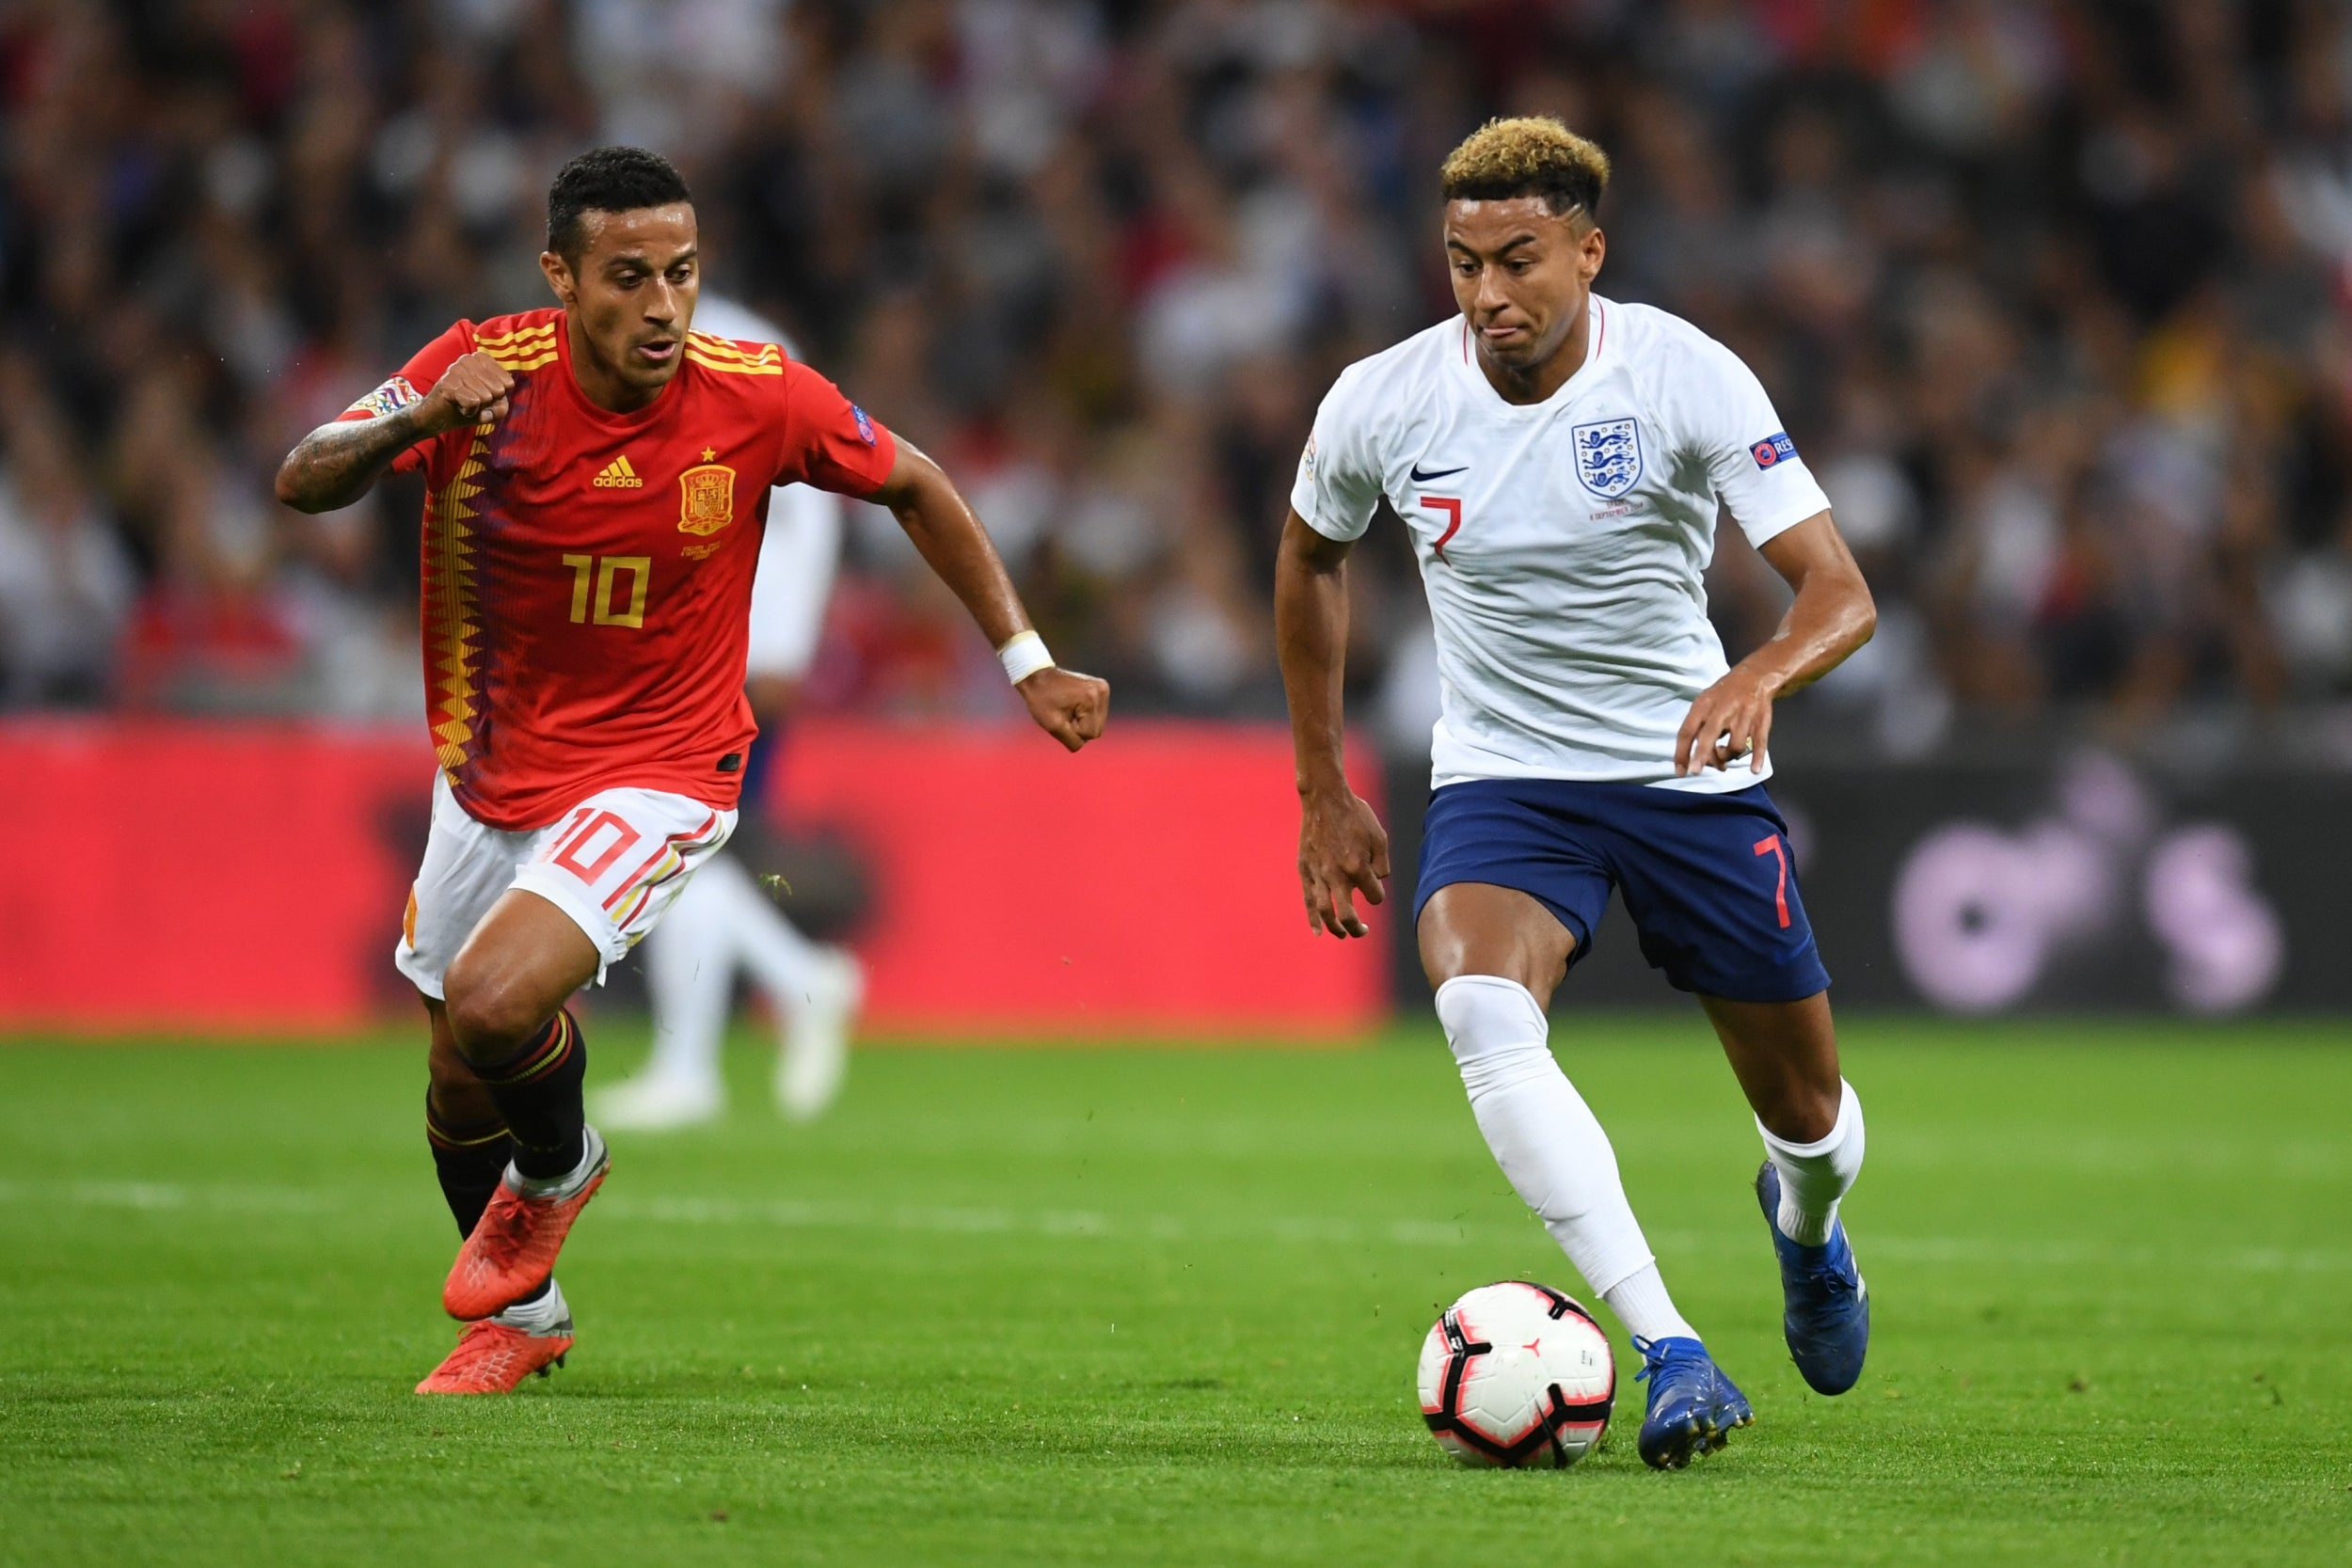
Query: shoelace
503	1236
1655	1360
471	1344
1827	1276
482	1352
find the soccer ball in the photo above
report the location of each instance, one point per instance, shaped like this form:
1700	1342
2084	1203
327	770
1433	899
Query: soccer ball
1517	1374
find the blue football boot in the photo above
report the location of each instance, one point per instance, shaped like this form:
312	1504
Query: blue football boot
1827	1311
1692	1406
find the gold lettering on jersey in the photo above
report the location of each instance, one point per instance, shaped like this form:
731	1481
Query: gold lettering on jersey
639	568
602	576
702	552
618	475
708	498
583	569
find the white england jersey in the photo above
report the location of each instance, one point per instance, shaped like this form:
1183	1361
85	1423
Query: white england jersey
802	549
1563	544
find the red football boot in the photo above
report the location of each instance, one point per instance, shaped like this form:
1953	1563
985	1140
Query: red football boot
514	1244
494	1358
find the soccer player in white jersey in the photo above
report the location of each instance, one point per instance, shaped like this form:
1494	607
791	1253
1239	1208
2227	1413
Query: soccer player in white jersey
1559	459
724	923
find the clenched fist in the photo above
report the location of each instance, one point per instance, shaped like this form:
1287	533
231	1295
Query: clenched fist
473	390
1065	705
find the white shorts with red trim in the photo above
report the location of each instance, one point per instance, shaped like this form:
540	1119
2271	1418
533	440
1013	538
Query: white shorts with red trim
614	863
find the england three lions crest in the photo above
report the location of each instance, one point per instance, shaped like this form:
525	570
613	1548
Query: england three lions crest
708	503
1608	456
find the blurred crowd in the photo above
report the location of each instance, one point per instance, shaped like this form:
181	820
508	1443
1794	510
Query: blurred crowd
2053	296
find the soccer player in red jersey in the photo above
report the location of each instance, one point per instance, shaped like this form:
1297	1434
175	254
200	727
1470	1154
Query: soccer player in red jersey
598	480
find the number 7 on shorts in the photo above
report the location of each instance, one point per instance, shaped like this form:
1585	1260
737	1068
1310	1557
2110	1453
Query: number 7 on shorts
1770	845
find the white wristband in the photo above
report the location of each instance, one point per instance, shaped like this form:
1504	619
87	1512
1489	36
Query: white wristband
1025	656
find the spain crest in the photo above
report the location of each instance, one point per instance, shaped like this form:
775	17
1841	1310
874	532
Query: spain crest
1608	456
707	503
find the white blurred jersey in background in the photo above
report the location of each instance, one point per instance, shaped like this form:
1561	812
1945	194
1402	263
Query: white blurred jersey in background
723	921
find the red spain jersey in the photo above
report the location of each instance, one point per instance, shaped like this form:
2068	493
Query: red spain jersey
588	575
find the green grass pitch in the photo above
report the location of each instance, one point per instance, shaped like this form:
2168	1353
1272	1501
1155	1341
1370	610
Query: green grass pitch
1163	1306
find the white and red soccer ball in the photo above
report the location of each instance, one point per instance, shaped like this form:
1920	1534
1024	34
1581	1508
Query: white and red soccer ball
1517	1374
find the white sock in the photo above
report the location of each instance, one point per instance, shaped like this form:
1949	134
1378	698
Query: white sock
1640	1303
689	974
540	1315
1547	1141
1814	1176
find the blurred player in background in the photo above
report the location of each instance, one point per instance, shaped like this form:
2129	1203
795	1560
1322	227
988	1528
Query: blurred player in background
725	921
1560	459
597	481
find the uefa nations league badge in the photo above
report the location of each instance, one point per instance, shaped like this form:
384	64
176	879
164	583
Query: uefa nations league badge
1608	456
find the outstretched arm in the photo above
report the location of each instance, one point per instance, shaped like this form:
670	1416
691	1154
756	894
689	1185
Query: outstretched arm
337	464
1831	617
1342	848
1067	706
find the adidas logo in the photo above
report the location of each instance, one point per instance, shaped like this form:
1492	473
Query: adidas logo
618	475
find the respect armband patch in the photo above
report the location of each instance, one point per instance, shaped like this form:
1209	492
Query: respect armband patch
390	398
1774	449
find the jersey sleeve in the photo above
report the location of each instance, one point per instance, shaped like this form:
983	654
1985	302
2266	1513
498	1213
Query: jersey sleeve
408	384
828	441
1338	488
1729	417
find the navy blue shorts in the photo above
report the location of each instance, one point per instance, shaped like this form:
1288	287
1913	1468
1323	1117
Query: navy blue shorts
1708	879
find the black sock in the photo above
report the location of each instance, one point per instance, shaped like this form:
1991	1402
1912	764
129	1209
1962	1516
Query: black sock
469	1159
538	1090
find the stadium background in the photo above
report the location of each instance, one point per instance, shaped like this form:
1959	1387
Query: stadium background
2052	297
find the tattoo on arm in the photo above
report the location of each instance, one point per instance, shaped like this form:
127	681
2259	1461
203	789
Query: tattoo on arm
337	464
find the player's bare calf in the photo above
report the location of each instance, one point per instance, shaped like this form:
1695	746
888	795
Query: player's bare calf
503	1000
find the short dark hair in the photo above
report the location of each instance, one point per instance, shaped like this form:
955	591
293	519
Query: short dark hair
607	180
1533	155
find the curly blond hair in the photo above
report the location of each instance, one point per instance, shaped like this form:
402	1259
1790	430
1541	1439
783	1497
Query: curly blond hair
1530	155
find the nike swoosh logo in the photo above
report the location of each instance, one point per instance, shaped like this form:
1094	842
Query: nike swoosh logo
1420	478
